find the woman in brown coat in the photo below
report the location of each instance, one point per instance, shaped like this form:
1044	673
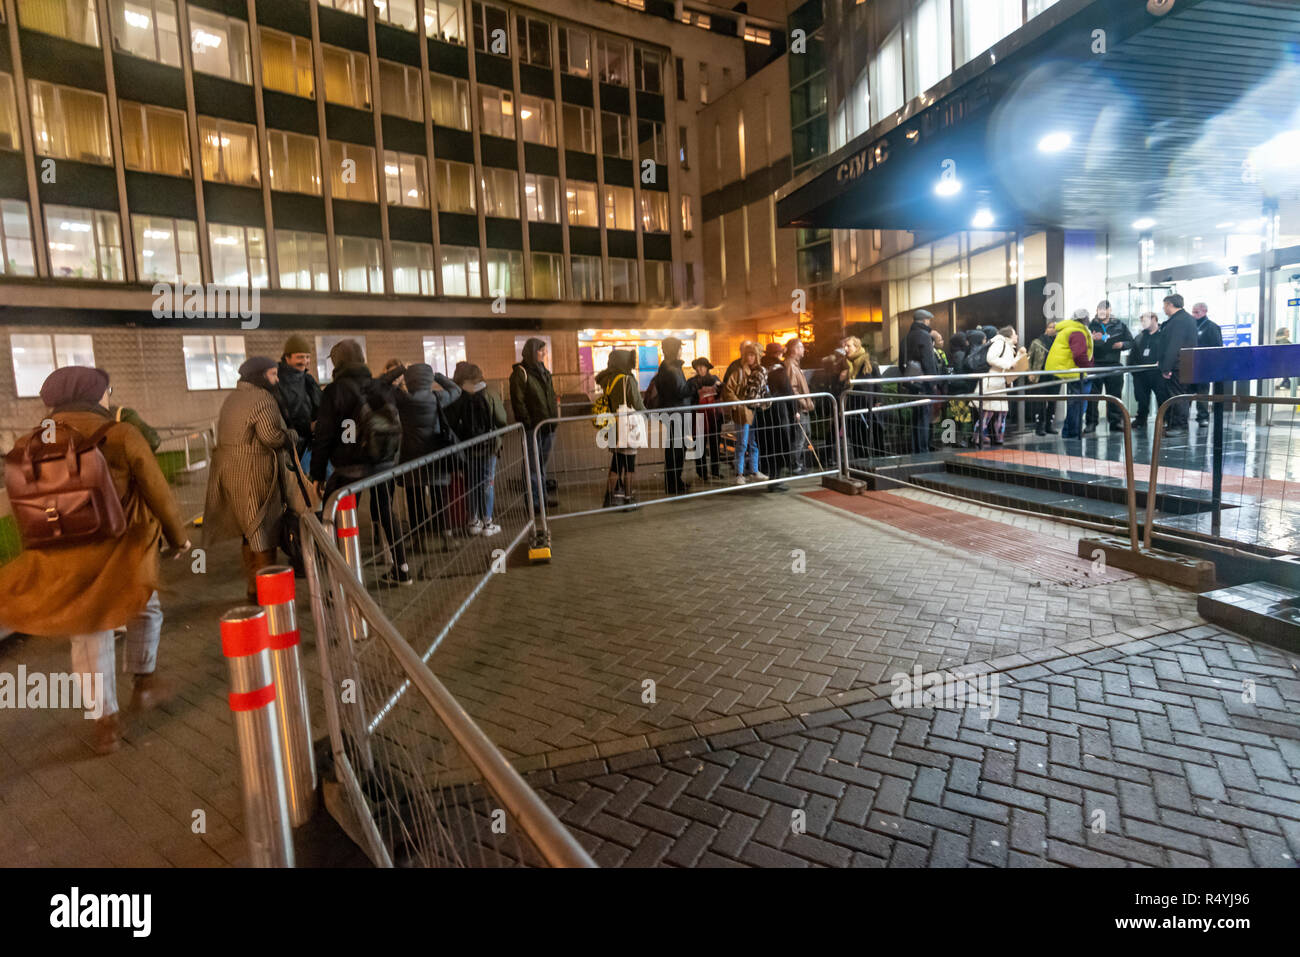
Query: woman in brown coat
244	498
85	591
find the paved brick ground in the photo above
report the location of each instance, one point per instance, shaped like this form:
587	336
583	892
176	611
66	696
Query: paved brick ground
1143	755
702	598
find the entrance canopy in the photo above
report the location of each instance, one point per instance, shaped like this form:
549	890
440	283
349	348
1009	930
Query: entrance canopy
1112	119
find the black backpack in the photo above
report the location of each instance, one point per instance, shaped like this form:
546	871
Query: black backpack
473	415
977	360
379	431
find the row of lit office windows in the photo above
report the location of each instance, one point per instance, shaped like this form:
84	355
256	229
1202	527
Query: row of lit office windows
219	44
87	244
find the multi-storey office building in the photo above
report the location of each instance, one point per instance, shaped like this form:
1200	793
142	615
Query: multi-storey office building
439	178
980	150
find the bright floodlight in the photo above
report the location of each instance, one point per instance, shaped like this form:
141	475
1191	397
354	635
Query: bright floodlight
947	187
1146	222
983	219
1055	142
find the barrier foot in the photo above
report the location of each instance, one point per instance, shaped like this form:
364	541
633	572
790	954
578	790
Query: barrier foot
848	486
1197	574
539	549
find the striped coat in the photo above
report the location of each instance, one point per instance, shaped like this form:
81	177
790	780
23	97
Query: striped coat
244	498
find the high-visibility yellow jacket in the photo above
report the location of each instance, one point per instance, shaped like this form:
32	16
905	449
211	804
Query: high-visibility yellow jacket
1061	356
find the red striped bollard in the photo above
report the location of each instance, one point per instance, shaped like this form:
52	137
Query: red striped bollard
348	532
245	642
275	588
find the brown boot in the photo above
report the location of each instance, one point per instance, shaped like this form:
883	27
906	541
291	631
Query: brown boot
250	580
107	736
256	562
150	691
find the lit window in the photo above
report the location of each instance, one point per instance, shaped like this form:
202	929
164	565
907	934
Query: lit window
688	215
444	352
238	255
616	134
361	267
618	207
404	179
542	198
534	39
505	268
399	91
70	124
347	77
413	270
611	61
759	36
683	153
631	4
575	51
887	77
695	18
8	114
498	111
219	45
654	211
537	117
585	280
229	152
982	24
155	139
500	193
929	52
548	268
581	201
651	142
147	28
491	29
623	280
166	250
397	13
37	354
659	282
450	101
648	66
455	185
71	19
287	64
303	261
324	367
460	271
354	7
17	253
443	20
84	243
295	162
352	171
579	128
212	362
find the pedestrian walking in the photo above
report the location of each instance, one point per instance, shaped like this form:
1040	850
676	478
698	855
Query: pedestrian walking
1072	350
746	380
86	590
532	399
245	499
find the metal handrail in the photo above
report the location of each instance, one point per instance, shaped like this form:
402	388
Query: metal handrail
552	839
1089	372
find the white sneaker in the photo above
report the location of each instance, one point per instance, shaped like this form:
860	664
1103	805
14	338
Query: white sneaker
490	529
740	480
759	477
475	527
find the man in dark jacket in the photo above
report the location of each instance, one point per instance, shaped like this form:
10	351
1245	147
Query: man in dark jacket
340	440
702	390
1111	338
1145	351
1208	336
297	392
918	348
773	423
532	397
669	385
425	430
1178	332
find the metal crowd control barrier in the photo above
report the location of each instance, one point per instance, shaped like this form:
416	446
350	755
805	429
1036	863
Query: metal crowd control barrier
895	439
245	642
433	791
275	593
637	458
1252	510
185	453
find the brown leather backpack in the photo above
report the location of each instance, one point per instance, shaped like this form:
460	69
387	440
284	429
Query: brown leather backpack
61	492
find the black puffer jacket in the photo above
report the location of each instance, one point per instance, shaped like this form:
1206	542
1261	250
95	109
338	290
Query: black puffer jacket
424	426
341	401
670	385
298	395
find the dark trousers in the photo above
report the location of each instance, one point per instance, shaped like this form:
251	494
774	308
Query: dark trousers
381	513
1113	385
674	455
1166	389
709	454
798	440
1074	408
1202	408
1144	386
921	416
773	439
1044	412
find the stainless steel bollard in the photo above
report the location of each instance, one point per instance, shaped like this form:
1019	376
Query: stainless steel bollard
245	642
348	531
275	593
